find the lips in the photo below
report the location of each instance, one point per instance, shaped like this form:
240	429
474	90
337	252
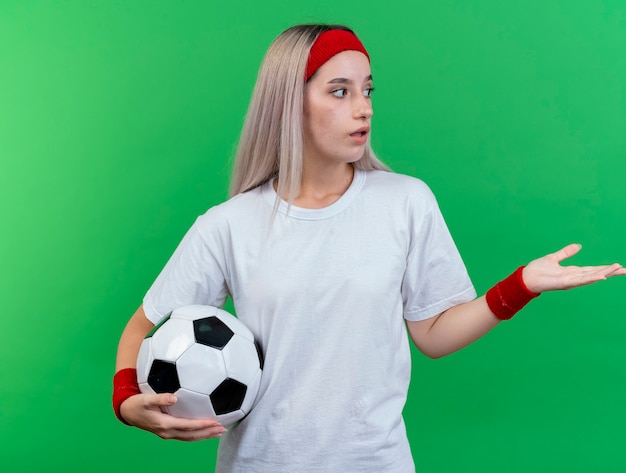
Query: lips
361	132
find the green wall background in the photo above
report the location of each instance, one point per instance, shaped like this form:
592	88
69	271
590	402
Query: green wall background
118	121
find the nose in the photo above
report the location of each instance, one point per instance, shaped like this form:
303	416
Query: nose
362	107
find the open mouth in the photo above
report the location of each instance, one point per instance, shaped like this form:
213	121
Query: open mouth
359	133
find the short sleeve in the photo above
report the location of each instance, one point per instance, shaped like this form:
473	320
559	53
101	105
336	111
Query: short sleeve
436	278
193	275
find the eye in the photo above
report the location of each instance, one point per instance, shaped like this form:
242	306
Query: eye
340	92
369	91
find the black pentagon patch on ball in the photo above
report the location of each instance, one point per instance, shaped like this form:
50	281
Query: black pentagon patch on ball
228	396
163	377
212	332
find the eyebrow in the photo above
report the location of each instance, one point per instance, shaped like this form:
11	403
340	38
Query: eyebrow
343	80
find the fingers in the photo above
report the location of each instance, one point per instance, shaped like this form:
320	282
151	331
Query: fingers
547	274
567	252
177	428
581	276
191	430
591	275
613	270
160	400
212	429
619	272
192	425
603	271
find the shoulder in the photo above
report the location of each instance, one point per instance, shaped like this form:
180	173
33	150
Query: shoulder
387	180
393	186
242	209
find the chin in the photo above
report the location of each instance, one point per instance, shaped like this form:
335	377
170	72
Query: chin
357	158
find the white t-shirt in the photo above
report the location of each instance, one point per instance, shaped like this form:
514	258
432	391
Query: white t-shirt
326	292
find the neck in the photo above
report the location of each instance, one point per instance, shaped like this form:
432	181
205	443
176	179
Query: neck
320	188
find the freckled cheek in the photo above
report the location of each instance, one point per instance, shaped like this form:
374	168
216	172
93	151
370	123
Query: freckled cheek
321	122
329	124
321	129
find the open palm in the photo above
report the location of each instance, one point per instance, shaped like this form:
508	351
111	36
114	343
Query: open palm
547	274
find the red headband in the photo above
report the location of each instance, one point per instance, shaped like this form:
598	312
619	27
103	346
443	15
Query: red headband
329	44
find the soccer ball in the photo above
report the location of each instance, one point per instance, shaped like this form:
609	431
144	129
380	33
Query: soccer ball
207	358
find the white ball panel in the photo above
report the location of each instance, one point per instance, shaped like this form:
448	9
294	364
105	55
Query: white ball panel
172	339
144	360
230	418
194	312
251	393
235	324
201	369
146	389
191	405
242	360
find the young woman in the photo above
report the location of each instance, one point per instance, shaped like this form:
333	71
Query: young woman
329	258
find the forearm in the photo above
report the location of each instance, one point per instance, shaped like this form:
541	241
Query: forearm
465	323
136	329
453	329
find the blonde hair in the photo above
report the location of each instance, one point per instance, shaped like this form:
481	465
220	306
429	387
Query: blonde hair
271	141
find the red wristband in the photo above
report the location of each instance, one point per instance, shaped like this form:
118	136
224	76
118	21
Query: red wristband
124	386
508	297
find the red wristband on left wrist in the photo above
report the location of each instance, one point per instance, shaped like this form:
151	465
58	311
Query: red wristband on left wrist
509	296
